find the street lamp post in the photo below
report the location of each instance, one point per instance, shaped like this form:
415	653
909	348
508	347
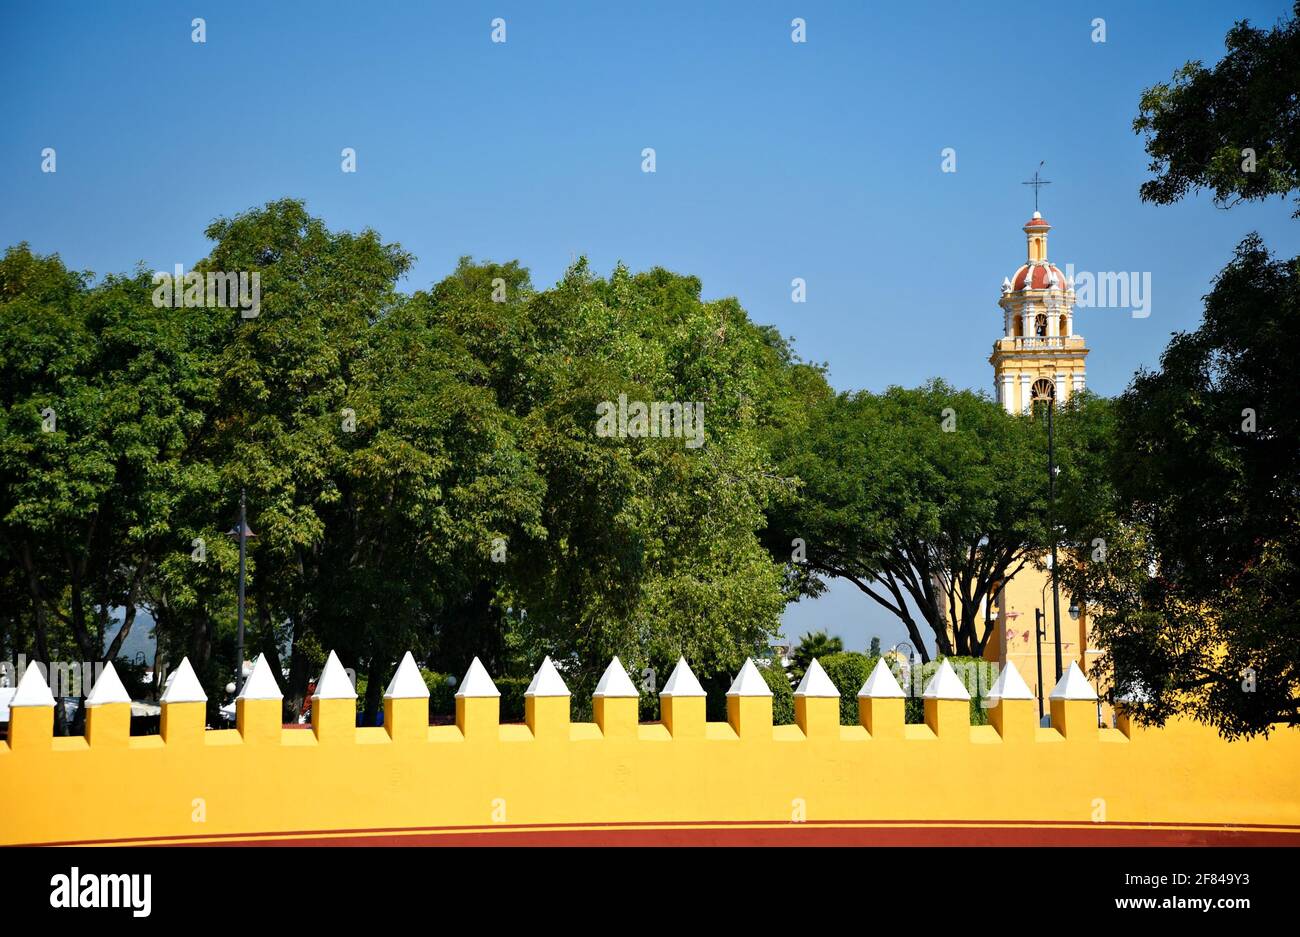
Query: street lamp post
1040	632
243	533
911	662
1051	523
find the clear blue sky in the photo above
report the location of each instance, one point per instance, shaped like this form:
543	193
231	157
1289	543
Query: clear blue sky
775	160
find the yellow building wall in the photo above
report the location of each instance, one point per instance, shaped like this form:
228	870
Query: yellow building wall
1013	630
263	780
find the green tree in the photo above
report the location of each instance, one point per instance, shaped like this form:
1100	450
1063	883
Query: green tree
1198	594
1195	592
814	644
926	498
102	402
1233	128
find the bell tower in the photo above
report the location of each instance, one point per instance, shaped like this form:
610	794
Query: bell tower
1039	354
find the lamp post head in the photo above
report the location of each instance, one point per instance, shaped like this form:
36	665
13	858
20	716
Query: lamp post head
233	532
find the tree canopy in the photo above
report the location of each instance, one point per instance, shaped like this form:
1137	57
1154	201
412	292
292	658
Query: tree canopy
1233	128
422	471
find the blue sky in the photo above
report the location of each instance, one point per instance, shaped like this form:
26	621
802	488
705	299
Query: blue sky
775	160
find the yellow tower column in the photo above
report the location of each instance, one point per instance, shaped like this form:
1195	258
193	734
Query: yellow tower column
31	713
681	703
1125	711
749	703
478	705
1013	713
880	704
406	703
947	705
108	711
616	703
817	704
334	705
258	708
184	707
1074	706
546	704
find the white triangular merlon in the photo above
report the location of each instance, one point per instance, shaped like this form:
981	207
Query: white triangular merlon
32	689
945	684
1010	685
815	682
547	681
407	682
183	685
615	681
1073	685
682	681
108	688
881	684
749	682
477	682
261	683
333	682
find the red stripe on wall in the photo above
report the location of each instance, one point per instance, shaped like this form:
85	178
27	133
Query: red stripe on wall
826	833
800	835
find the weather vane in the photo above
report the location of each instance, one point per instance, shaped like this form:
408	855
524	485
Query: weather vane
1037	182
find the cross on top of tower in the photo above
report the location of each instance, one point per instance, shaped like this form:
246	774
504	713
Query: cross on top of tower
1037	183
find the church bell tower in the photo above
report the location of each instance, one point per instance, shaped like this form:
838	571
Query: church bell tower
1039	355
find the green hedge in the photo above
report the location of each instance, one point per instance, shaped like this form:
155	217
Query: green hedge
442	694
782	694
848	671
977	681
512	697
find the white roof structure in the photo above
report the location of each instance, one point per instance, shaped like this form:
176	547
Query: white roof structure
682	681
815	682
333	682
1073	685
477	683
108	688
261	683
1010	685
407	682
615	682
881	683
32	689
183	685
547	681
749	682
945	684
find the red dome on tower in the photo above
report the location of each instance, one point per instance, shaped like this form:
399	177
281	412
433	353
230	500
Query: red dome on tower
1045	277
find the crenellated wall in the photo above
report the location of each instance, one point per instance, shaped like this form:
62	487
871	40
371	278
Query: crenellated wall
484	778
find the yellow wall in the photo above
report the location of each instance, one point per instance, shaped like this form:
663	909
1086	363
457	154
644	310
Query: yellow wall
334	777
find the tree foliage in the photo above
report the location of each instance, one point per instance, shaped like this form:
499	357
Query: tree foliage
1233	128
1198	595
924	499
422	471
